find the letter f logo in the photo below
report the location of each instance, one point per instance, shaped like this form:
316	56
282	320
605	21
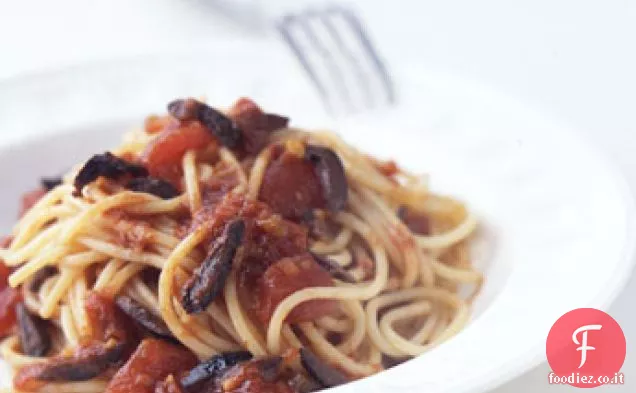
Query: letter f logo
583	344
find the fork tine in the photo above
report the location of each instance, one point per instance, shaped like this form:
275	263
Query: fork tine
360	74
369	48
284	28
326	55
312	36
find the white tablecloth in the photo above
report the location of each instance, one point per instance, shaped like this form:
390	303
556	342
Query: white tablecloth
574	59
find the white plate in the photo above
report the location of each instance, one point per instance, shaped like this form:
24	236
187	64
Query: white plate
558	222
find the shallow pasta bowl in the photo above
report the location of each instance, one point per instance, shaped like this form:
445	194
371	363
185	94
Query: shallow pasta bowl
557	222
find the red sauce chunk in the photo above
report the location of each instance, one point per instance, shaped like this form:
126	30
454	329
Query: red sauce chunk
273	237
287	276
290	186
107	321
152	362
30	199
269	236
130	233
162	157
387	168
9	297
268	239
155	124
249	378
6	241
255	124
249	117
26	378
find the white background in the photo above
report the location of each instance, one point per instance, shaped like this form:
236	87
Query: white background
575	60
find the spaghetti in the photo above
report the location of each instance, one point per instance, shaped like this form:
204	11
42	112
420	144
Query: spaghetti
224	237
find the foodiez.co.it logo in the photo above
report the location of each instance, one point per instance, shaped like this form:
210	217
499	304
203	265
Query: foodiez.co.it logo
586	348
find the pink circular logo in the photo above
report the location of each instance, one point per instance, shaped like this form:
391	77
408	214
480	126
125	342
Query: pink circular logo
586	348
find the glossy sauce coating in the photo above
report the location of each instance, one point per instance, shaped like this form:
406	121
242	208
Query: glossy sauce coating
256	376
152	362
162	157
255	124
291	187
290	275
9	298
108	322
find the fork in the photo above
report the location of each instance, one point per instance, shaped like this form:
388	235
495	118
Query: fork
336	53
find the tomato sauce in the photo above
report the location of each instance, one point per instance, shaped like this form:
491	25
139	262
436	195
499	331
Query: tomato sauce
156	124
288	276
269	240
9	297
130	233
152	362
6	241
107	321
249	117
387	168
255	124
249	378
291	187
162	157
269	236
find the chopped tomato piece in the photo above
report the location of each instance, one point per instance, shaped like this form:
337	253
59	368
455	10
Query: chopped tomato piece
291	187
215	213
30	199
255	376
162	157
155	124
108	321
274	238
290	275
269	236
255	124
247	115
9	297
6	242
213	190
130	233
152	362
387	168
26	378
